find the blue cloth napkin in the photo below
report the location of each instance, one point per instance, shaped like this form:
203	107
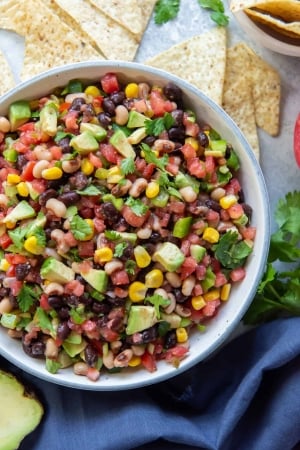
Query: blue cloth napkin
245	397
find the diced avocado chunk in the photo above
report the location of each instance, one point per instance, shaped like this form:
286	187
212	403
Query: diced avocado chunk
18	114
48	119
22	211
173	319
169	256
136	119
182	227
140	318
22	411
217	148
184	179
74	349
97	131
137	136
98	279
9	320
121	144
56	271
84	143
197	252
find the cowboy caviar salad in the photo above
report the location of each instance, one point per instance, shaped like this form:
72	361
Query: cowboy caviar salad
122	225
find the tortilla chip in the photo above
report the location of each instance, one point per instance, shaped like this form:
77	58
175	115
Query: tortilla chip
114	41
200	60
48	41
237	95
291	29
127	15
147	10
288	10
266	91
7	80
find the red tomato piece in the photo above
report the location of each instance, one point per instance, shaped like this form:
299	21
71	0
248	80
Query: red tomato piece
93	374
179	351
297	140
108	334
27	174
5	241
148	361
86	249
109	83
95	160
119	277
196	167
15	259
28	126
74	287
109	153
210	308
188	151
44	304
188	267
133	219
238	274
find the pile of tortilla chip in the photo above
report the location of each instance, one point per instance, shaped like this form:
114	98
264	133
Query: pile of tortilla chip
58	32
281	16
236	78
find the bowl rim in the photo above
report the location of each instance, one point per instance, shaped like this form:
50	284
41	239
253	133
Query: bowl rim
155	377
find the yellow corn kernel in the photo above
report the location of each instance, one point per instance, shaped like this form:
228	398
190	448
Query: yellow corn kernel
154	278
155	153
225	291
152	189
13	178
181	335
132	90
193	142
22	189
52	173
135	361
137	291
87	167
212	295
103	255
142	257
211	235
4	265
198	302
227	201
114	175
91	224
10	225
92	90
31	246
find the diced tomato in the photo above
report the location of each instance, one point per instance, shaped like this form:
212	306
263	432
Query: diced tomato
198	290
71	121
70	239
74	287
176	207
185	247
191	128
44	304
140	106
109	153
148	171
97	101
196	315
210	308
99	225
238	274
235	211
213	218
20	147
15	287
11	271
133	219
148	361
64	107
109	83
248	233
119	277
108	334
158	104
297	140
93	374
172	167
28	126
188	267
233	187
177	352
86	249
215	265
5	241
200	272
210	164
15	259
196	167
56	152
95	160
27	174
120	292
220	279
188	151
89	325
39	185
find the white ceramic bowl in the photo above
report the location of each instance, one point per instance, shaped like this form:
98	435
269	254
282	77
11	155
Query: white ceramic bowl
277	43
230	314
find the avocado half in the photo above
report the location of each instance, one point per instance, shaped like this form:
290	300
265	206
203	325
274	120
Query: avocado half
22	411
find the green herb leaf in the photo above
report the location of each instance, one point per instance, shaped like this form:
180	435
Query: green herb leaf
165	10
43	319
119	249
217	8
27	296
127	166
52	366
157	301
150	157
130	266
230	252
80	228
137	206
61	135
90	190
156	126
112	235
18	236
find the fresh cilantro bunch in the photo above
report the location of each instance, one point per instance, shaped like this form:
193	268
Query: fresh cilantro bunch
278	293
166	10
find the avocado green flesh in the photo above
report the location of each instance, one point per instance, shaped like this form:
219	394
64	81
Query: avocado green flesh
97	131
136	119
98	279
48	120
22	211
140	318
56	271
84	143
121	144
22	412
19	113
169	256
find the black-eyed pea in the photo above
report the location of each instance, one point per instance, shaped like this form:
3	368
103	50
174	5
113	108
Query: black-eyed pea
123	358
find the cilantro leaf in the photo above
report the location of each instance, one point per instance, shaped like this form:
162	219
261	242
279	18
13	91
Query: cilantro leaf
165	10
130	266
230	252
90	190
112	235
80	228
43	319
217	11
157	301
127	166
18	236
119	249
151	158
27	296
137	206
220	18
156	126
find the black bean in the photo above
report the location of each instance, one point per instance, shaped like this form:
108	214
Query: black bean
177	134
72	300
46	195
56	184
64	144
172	92
100	307
63	330
212	204
149	335
118	97
90	355
88	112
110	213
203	139
69	198
177	115
109	106
35	349
104	119
127	252
63	313
55	301
21	162
78	181
22	270
4	292
116	301
180	298
170	339
174	240
76	104
247	210
154	237
149	140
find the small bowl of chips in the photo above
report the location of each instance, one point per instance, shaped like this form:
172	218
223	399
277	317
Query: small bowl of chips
275	24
